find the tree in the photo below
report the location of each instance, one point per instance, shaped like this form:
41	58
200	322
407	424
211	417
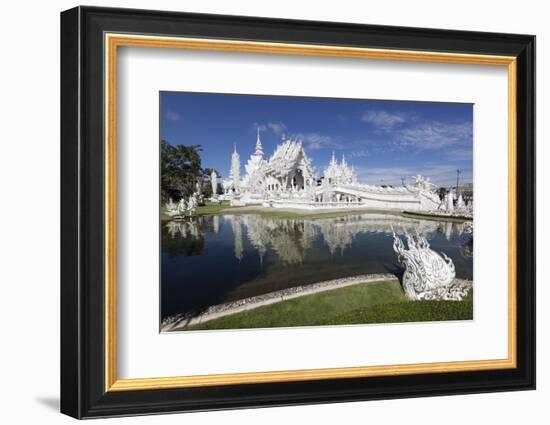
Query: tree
180	170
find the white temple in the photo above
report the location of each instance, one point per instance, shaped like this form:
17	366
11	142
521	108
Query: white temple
338	174
288	180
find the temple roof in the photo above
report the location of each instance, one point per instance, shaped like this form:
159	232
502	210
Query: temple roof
288	156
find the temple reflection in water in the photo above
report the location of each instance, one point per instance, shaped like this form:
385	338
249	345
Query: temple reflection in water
292	239
209	260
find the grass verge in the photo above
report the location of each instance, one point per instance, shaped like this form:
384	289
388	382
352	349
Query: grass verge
376	302
308	214
224	208
207	209
454	219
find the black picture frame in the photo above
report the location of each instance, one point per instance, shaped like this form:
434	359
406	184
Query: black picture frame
83	392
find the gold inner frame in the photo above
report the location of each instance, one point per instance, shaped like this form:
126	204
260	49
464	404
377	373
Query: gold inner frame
113	41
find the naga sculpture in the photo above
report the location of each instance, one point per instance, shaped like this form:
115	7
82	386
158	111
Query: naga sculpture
428	275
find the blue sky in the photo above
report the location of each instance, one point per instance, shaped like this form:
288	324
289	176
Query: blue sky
384	140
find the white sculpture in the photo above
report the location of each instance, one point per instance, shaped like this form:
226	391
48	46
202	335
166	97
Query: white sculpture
214	181
426	192
192	204
428	275
450	204
171	208
460	202
182	207
423	183
235	173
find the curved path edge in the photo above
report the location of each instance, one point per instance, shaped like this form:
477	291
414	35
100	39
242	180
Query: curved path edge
179	323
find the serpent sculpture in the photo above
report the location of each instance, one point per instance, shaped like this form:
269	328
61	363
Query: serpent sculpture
428	275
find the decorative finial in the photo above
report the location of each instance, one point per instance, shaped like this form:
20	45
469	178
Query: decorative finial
259	148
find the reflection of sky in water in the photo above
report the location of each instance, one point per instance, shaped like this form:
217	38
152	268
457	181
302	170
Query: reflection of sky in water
214	259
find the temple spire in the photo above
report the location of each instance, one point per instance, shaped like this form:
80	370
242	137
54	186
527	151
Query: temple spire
259	149
235	172
333	159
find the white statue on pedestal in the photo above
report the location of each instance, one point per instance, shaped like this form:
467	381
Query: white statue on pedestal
214	181
428	275
182	207
192	204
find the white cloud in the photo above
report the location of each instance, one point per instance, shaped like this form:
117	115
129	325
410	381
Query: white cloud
403	130
434	135
383	120
361	153
314	140
311	140
278	128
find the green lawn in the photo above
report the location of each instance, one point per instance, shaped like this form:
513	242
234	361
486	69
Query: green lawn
224	208
311	215
208	209
378	302
213	209
423	216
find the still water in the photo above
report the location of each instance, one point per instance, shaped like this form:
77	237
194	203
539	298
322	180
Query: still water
209	260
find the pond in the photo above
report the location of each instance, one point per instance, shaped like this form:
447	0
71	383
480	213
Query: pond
210	260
